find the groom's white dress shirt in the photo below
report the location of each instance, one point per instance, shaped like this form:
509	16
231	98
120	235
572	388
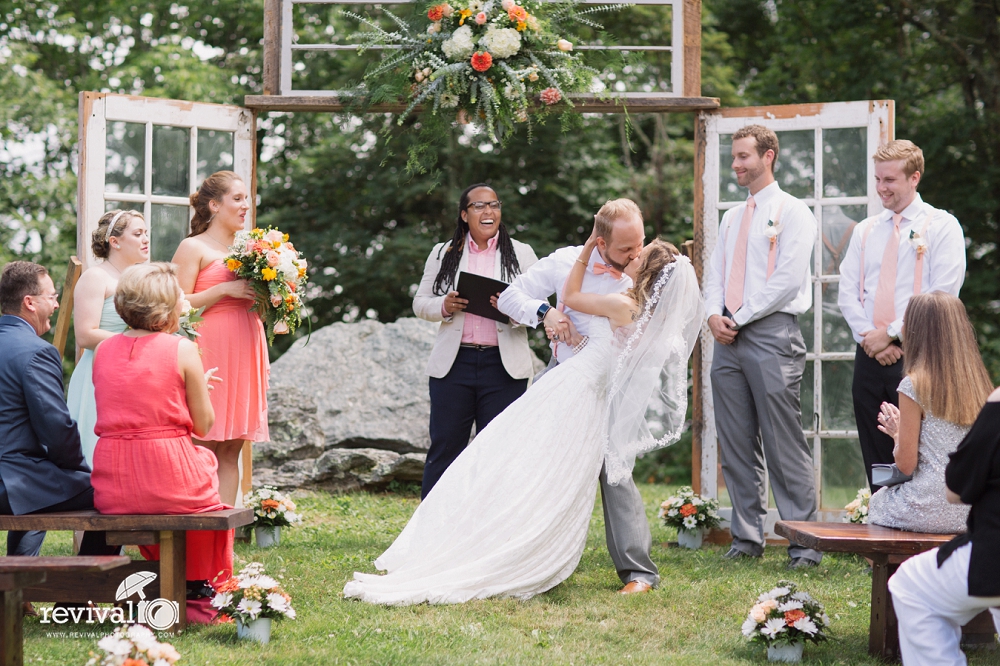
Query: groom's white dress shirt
943	264
521	300
789	289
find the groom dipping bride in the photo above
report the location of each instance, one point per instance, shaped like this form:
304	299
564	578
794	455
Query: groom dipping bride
510	516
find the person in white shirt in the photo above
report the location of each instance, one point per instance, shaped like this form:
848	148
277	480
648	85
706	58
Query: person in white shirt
758	282
908	248
619	227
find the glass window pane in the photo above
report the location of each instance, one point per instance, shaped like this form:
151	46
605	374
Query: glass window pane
838	405
171	159
837	335
124	157
845	163
806	325
843	472
729	190
215	152
838	225
168	227
122	205
796	167
807	392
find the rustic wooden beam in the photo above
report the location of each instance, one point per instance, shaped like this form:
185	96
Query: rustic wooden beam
582	104
692	48
698	219
272	47
61	332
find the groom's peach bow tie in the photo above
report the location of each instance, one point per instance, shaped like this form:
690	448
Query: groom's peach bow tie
601	269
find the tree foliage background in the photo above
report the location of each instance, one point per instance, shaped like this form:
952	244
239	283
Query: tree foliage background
339	184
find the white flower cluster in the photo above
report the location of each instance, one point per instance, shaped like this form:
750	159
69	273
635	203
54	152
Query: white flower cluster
254	594
271	507
782	610
136	643
501	42
688	510
857	510
459	46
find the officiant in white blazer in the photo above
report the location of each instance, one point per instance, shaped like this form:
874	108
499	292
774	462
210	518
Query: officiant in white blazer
478	366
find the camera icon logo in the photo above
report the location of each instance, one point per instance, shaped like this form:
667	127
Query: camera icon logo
159	614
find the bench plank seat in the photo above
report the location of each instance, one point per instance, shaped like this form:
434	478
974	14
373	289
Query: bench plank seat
225	519
17	573
887	548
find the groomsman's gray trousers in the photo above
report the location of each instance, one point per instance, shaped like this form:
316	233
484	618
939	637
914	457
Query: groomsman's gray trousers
758	416
626	527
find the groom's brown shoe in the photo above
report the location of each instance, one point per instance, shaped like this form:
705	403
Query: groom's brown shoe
635	587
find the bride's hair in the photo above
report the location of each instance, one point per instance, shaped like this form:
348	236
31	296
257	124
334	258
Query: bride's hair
655	256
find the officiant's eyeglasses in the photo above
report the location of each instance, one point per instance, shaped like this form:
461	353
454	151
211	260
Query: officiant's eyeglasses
481	205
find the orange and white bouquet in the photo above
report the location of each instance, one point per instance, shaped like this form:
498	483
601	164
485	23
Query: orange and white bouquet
251	595
785	616
134	645
277	271
687	510
271	507
857	510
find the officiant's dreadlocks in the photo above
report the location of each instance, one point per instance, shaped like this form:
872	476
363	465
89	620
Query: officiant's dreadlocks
509	266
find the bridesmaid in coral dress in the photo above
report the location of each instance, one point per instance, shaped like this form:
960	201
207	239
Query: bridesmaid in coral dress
231	337
151	394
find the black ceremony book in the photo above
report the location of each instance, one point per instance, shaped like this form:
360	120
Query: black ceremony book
477	290
888	475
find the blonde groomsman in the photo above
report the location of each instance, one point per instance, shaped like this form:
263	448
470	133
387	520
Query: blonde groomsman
757	285
908	248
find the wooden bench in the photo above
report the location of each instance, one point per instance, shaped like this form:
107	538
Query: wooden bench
887	548
126	530
17	573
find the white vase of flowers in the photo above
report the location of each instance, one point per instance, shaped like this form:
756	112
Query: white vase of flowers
267	536
253	599
783	620
692	515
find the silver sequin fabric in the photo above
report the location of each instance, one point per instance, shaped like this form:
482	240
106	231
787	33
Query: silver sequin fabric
919	505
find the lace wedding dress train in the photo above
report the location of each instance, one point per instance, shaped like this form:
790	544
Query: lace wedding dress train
510	516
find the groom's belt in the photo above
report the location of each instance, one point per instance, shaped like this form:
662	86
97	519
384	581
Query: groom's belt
477	347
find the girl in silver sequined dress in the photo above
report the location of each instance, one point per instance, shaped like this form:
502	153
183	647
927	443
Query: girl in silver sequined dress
944	387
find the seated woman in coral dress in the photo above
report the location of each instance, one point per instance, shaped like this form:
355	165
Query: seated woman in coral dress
232	336
152	394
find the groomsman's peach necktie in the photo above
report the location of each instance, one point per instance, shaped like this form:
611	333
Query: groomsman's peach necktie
885	294
737	274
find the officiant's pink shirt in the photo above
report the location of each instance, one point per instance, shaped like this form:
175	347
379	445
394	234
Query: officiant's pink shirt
479	330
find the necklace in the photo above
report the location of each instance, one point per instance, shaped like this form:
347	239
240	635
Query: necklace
223	246
109	263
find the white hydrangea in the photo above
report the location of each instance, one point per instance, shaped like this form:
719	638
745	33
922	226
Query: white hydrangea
459	46
501	42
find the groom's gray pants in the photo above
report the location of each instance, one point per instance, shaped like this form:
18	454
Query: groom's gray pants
755	387
626	527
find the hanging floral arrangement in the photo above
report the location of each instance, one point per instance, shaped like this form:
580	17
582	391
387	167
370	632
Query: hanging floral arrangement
491	63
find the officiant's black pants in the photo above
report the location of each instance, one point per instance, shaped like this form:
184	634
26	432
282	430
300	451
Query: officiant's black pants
475	390
874	384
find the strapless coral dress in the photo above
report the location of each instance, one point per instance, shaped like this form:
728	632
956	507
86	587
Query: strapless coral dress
232	340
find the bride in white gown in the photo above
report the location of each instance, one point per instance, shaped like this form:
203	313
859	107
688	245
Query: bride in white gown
510	516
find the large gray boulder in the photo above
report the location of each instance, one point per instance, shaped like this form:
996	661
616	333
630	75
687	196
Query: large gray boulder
350	409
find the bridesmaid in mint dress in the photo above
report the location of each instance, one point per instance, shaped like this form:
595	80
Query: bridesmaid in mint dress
120	240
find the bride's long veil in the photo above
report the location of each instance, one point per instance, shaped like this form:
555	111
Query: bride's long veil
649	378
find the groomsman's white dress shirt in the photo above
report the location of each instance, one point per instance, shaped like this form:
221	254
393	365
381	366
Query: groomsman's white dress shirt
789	288
521	300
943	270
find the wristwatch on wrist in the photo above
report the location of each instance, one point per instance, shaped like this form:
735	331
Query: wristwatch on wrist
542	309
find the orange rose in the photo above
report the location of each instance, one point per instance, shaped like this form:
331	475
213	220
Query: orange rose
436	13
688	510
270	504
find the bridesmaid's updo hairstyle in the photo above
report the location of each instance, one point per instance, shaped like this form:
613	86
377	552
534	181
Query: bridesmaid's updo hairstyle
146	297
214	188
112	224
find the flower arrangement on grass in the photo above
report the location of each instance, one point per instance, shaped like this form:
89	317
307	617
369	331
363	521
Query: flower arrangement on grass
687	510
277	271
785	616
134	645
271	507
484	60
857	510
252	595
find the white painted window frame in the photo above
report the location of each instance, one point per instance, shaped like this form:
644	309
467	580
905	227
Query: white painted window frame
289	43
99	109
878	118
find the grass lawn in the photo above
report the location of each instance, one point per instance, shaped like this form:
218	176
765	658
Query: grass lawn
693	618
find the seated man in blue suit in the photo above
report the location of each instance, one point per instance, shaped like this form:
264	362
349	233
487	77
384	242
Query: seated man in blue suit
42	469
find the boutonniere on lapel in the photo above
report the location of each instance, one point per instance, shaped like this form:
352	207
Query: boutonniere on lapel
772	230
918	243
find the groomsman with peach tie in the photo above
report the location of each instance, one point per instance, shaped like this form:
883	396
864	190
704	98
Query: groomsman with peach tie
758	282
908	248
